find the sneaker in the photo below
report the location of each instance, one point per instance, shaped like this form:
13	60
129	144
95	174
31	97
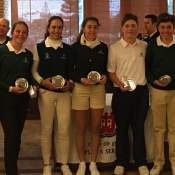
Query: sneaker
156	169
93	169
66	170
81	169
143	170
119	170
173	170
47	170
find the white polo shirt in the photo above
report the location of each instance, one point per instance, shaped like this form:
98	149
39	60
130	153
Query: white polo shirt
128	60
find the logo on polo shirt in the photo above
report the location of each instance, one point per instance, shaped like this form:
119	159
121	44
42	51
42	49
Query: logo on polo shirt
26	60
63	56
47	56
141	54
100	52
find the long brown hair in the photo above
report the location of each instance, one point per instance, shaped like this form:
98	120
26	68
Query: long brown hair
49	23
91	18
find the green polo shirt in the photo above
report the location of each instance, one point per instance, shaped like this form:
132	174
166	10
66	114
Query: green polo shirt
160	61
13	66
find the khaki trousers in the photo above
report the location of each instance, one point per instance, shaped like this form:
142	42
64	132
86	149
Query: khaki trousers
163	110
55	107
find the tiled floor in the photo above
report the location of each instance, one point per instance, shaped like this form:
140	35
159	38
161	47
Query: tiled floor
30	155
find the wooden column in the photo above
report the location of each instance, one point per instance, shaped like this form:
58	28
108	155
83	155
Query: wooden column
14	11
1	8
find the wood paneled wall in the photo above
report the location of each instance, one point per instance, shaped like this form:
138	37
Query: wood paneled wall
140	8
1	8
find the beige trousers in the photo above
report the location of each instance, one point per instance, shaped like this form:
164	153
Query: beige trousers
163	110
55	107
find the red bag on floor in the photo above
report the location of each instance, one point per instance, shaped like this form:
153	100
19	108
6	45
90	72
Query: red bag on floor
108	126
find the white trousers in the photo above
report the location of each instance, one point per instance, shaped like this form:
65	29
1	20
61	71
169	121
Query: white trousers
55	110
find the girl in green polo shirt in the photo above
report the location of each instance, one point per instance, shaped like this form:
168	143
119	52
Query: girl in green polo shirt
15	63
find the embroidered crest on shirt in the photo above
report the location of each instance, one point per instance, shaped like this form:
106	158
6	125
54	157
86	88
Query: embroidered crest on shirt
141	54
25	60
101	52
47	56
63	56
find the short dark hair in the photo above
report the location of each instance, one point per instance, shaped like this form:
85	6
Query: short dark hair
165	17
7	22
152	17
129	16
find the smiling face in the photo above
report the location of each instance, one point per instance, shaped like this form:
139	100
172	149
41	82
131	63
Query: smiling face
90	30
55	29
19	33
166	30
4	27
130	29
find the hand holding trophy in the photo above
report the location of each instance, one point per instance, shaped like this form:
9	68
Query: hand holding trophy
58	81
129	83
21	86
165	80
22	83
94	76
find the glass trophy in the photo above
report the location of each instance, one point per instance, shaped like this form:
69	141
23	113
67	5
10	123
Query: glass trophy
94	76
131	84
165	79
22	82
58	81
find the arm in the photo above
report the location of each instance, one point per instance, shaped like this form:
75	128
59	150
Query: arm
39	79
148	67
112	68
104	74
2	84
8	74
113	77
69	85
73	74
35	65
148	64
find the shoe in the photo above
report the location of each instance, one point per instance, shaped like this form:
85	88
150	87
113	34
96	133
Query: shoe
156	169
66	170
47	170
81	169
119	170
93	169
143	170
173	170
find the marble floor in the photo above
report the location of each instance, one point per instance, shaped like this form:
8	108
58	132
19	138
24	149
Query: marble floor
30	155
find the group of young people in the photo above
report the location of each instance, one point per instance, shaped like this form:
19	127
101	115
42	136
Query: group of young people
127	60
